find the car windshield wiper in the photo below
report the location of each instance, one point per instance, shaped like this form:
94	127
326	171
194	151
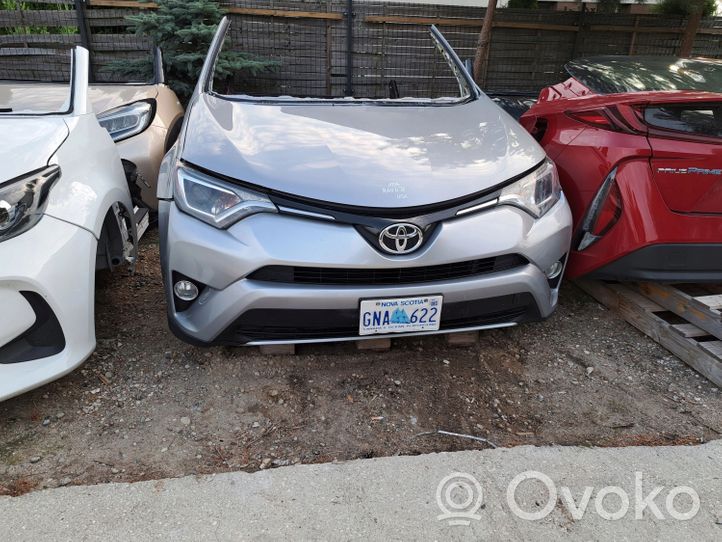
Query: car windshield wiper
6	109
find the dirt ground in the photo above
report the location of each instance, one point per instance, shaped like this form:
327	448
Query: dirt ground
147	406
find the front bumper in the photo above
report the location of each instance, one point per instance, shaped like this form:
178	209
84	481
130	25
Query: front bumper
46	293
691	262
231	303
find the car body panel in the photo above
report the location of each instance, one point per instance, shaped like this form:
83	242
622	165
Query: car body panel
368	156
54	261
666	202
30	148
368	160
91	176
223	259
145	150
688	175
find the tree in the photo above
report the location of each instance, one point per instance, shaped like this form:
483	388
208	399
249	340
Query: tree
687	7
523	4
608	6
184	29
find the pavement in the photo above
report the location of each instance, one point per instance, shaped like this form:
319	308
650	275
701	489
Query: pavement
524	493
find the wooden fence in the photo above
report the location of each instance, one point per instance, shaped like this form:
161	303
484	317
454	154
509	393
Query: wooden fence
309	39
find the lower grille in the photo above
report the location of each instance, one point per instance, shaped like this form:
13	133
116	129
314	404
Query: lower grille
43	339
290	325
325	276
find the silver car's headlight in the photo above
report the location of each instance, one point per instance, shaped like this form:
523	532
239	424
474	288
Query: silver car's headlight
536	193
23	200
215	202
128	120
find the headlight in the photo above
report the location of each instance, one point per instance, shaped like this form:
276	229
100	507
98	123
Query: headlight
128	120
536	193
215	202
23	200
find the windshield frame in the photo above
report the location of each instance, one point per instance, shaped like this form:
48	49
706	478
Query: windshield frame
468	89
75	91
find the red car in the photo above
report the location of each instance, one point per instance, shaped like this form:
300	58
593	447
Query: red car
638	144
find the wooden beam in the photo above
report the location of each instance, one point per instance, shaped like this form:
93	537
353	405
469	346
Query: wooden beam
698	310
428	21
635	29
463	22
122	4
483	46
258	12
703	357
288	14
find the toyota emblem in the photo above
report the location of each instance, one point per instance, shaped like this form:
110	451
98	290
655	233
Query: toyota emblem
401	238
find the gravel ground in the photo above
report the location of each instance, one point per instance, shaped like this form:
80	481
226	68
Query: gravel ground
147	406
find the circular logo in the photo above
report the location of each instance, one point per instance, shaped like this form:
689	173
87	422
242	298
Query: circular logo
459	497
401	238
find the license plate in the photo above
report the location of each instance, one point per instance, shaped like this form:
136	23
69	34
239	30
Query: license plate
400	315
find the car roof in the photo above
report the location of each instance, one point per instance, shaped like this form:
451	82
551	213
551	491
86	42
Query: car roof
619	74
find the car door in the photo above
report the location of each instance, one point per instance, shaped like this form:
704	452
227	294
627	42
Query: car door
686	142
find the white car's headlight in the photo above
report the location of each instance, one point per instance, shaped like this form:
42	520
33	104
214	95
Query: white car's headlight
215	202
127	120
536	193
23	200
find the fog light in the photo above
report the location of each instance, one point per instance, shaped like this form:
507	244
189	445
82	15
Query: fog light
185	290
554	271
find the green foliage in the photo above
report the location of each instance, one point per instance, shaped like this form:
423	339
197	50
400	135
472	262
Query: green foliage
523	4
687	7
608	6
16	5
184	29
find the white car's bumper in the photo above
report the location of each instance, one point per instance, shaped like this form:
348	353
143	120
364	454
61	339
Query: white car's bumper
47	283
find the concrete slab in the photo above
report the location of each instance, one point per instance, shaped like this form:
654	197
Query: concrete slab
396	498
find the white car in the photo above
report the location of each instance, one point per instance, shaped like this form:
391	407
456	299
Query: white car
65	210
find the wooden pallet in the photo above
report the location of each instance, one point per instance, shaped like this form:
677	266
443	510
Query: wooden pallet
677	329
459	339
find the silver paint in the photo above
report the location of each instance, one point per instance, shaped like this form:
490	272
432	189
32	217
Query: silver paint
363	154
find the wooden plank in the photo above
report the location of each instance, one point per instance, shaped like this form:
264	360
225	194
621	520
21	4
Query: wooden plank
374	345
714	302
257	12
703	357
122	4
465	22
288	14
637	29
713	347
690	308
278	349
690	330
462	339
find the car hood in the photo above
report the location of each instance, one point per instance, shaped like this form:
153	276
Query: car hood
52	97
370	155
28	144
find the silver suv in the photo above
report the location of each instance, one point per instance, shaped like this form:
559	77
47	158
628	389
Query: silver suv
309	219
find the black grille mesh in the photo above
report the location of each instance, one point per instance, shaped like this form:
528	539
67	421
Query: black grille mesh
325	276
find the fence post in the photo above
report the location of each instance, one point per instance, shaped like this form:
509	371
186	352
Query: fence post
84	29
580	31
481	59
690	33
349	47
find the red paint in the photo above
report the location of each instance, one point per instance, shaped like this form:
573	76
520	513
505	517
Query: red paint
588	135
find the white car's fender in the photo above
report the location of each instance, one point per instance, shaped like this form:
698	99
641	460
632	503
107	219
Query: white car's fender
92	177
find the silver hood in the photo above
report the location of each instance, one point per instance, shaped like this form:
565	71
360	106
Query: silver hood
370	155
